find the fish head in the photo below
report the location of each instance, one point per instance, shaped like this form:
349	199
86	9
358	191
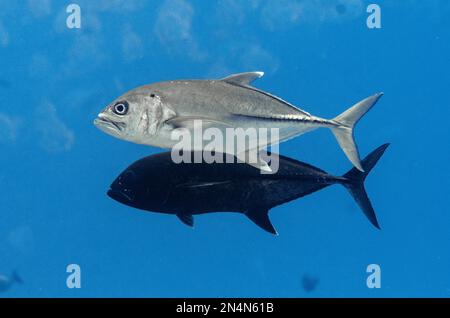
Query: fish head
124	189
140	187
135	116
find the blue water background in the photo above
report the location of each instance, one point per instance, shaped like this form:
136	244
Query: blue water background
56	166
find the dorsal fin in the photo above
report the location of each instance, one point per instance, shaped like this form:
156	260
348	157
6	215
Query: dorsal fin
243	79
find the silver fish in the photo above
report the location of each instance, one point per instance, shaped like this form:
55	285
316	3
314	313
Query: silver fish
149	114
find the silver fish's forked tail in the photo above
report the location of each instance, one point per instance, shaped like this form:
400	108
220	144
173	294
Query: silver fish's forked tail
346	123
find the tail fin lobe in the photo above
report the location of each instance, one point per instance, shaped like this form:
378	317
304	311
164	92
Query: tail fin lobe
355	184
346	123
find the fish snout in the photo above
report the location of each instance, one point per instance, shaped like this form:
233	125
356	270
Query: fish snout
101	118
108	125
125	196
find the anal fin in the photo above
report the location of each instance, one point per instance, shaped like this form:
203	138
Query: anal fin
262	165
186	218
260	216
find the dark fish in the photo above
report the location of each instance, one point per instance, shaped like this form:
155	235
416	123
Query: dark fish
157	184
309	283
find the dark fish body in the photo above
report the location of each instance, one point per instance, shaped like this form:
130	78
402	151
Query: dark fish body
157	184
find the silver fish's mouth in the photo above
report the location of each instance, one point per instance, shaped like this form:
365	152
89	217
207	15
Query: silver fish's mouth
104	123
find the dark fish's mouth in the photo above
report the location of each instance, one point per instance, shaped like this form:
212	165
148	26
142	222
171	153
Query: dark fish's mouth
105	122
125	197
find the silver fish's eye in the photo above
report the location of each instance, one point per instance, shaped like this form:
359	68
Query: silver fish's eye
121	108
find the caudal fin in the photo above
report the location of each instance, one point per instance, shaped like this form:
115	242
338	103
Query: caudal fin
346	123
355	183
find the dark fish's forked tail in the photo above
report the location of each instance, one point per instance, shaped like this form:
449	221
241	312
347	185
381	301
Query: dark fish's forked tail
346	123
355	183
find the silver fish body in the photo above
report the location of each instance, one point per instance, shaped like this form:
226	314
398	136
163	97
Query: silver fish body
154	111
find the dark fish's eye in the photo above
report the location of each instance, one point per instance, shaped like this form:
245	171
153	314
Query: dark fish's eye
127	178
121	108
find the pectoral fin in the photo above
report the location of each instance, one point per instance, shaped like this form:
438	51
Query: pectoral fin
260	216
200	185
188	122
186	218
